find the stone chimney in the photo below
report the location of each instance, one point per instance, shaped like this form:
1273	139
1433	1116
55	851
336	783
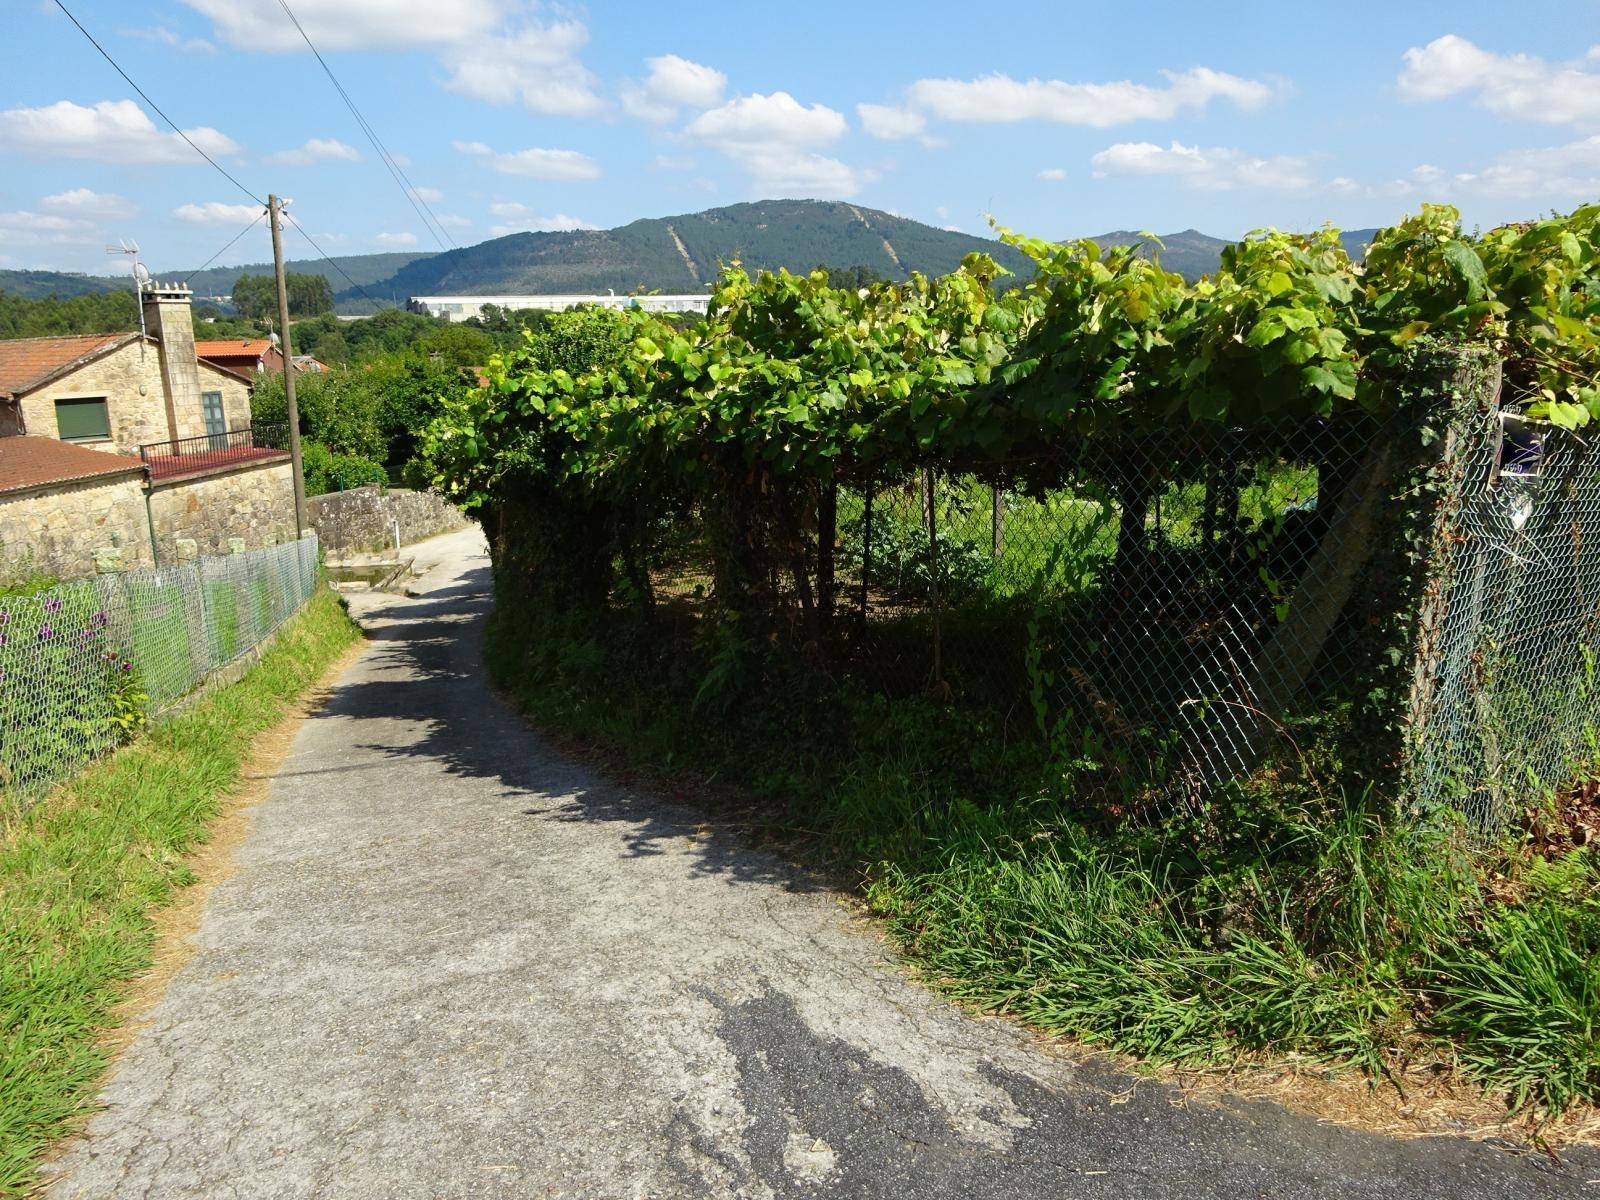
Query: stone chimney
169	318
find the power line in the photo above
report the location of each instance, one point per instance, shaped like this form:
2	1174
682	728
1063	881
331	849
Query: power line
298	228
402	181
157	107
179	131
259	217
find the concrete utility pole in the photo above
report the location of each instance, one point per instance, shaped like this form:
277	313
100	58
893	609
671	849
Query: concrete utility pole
275	206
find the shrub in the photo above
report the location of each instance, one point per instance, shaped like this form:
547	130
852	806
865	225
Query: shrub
327	471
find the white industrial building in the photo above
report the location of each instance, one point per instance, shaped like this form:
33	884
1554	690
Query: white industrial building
464	308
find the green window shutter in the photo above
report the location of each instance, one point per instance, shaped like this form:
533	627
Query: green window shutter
78	420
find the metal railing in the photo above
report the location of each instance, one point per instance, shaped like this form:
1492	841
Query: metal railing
182	455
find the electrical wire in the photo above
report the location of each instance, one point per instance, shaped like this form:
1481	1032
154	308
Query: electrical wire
179	131
298	228
424	213
259	218
157	107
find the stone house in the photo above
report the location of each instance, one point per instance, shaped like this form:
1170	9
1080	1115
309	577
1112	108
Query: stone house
165	423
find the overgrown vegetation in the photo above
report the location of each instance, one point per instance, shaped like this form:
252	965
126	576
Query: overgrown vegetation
1280	920
677	515
81	871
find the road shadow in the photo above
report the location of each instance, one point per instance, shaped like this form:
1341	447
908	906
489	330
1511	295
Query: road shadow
425	675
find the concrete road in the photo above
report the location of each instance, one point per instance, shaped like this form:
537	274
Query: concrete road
452	963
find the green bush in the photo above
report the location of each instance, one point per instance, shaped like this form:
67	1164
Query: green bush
329	472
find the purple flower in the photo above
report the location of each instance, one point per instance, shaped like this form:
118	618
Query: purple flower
53	604
99	619
46	633
127	666
4	638
5	617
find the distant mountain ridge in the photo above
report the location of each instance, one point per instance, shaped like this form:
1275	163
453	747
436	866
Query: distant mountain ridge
681	253
1192	254
684	253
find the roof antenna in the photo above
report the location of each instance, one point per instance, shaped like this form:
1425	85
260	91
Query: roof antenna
141	277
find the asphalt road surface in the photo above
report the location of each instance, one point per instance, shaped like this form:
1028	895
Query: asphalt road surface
454	963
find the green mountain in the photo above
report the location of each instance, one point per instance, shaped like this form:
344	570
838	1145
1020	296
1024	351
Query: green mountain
36	285
670	254
683	253
1193	254
365	269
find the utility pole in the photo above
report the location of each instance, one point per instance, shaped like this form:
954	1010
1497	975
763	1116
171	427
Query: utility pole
274	207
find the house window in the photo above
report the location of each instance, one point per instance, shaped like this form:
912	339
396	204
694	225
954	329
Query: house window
83	419
211	410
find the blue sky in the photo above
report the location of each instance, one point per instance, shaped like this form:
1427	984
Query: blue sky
1060	119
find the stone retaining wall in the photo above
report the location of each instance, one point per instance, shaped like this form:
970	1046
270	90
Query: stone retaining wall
67	530
209	514
362	520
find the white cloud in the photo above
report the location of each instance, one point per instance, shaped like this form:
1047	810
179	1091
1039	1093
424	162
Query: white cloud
42	223
783	172
110	131
84	203
890	122
455	221
1513	85
1567	171
214	212
536	64
314	151
759	120
672	83
493	50
536	163
1052	175
1001	98
166	37
519	218
672	162
395	239
60	233
428	195
351	24
776	140
1211	168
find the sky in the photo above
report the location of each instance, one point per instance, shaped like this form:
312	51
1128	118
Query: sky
1058	119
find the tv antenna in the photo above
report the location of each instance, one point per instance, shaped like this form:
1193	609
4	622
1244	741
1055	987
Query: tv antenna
141	277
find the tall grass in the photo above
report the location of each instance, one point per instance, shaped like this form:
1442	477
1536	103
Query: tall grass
81	870
1281	920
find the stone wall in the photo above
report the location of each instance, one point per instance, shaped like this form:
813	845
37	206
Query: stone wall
362	519
71	529
255	503
137	417
235	402
130	380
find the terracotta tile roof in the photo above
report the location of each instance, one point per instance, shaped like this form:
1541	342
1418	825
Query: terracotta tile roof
233	348
25	363
27	462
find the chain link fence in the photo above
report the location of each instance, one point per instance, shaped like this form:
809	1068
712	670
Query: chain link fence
1164	607
1410	603
1505	702
85	663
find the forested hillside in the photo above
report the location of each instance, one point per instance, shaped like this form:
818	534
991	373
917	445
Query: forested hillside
683	253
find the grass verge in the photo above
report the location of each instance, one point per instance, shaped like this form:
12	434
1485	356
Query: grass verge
1282	924
82	871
